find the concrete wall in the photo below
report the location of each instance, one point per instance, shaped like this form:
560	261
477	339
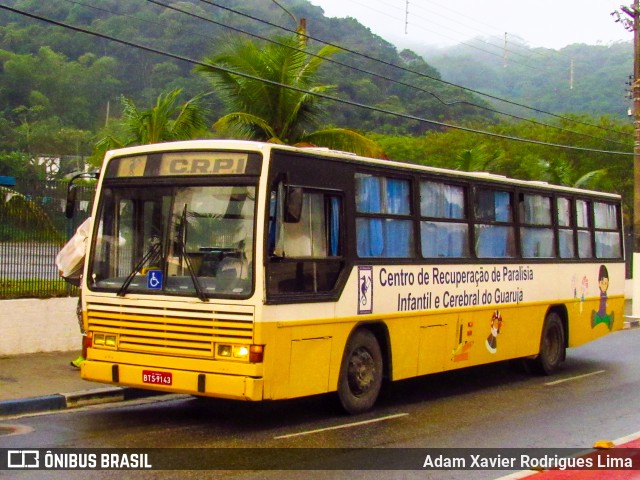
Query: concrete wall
34	325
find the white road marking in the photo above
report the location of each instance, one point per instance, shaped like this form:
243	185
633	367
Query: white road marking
577	377
627	438
346	425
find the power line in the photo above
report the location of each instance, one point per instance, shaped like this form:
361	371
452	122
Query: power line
389	64
300	90
367	72
421	26
461	102
495	30
329	60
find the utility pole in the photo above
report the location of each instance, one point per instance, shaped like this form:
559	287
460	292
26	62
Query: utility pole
505	60
406	17
632	23
571	68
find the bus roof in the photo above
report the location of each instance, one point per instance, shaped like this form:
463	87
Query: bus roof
264	147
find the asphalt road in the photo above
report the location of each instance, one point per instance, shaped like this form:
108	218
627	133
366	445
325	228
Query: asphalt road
595	397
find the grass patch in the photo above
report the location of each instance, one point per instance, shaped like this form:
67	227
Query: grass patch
35	288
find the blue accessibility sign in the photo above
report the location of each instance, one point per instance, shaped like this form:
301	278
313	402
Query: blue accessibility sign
154	279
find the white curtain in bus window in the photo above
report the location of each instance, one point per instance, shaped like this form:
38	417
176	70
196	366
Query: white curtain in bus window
443	239
385	235
441	201
494	241
607	234
308	237
565	232
585	249
537	238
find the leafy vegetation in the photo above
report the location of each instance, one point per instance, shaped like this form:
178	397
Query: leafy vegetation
596	170
61	91
166	121
269	111
27	219
582	79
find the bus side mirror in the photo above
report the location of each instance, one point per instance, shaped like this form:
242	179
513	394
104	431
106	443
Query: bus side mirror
70	207
293	205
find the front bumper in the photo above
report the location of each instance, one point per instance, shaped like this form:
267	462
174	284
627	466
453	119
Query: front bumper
237	387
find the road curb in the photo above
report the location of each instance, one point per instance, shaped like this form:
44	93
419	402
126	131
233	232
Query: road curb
62	401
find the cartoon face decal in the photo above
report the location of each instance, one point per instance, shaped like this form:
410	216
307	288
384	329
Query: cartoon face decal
496	325
601	316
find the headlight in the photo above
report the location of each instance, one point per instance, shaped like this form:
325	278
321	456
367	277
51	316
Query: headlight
108	340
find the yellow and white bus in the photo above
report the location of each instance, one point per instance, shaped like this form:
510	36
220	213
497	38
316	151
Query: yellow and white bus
257	271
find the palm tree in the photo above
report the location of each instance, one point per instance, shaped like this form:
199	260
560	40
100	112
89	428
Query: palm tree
167	121
477	160
560	171
273	95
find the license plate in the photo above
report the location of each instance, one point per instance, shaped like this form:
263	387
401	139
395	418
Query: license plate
157	378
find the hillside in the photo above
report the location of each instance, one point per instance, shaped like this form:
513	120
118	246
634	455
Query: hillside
59	86
90	73
584	79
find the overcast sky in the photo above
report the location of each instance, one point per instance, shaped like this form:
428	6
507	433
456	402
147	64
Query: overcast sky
540	23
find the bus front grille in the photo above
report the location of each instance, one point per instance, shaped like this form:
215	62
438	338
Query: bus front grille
170	330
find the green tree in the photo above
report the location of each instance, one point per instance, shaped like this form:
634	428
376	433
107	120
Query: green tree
597	170
168	120
285	107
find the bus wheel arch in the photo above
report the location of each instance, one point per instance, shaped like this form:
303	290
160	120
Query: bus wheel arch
553	341
365	362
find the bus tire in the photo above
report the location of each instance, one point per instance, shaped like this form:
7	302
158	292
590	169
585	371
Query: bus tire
360	372
552	345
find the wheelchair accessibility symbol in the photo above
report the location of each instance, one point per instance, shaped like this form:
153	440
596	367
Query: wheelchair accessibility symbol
154	279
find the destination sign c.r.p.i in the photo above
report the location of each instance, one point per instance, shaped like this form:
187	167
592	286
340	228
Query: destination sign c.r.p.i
185	164
203	163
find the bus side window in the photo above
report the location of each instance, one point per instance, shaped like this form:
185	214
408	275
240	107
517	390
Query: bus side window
444	229
536	234
607	235
305	253
384	227
494	224
308	236
585	249
566	243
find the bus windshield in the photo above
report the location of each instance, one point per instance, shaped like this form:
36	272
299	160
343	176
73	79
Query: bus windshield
168	239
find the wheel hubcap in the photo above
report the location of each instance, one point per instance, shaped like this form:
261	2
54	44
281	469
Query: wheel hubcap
361	371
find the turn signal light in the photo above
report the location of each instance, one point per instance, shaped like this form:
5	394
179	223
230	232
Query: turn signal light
256	353
252	353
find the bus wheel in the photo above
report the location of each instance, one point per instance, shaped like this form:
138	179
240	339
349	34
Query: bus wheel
552	345
360	372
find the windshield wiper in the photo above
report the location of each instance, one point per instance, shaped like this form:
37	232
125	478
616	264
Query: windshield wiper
182	244
154	250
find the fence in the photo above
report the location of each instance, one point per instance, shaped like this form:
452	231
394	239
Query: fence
33	228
